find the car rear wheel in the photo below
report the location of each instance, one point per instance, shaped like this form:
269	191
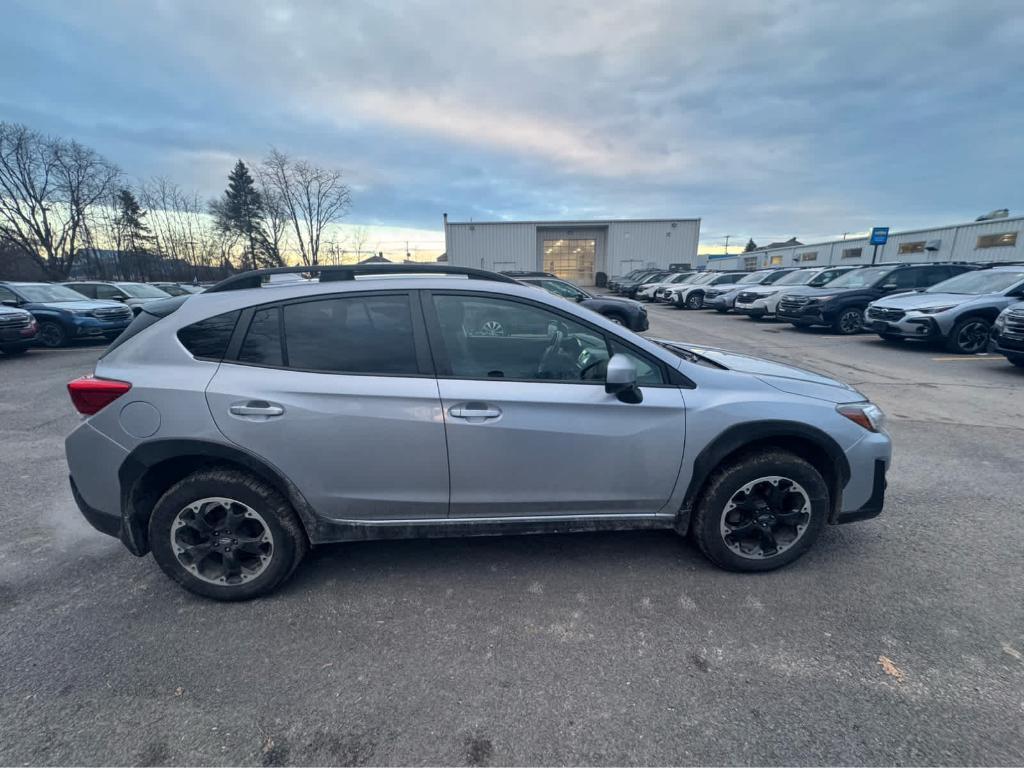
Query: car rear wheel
52	334
695	300
969	336
849	321
760	512
226	535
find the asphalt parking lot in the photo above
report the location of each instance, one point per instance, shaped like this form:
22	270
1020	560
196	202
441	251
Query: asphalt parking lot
895	641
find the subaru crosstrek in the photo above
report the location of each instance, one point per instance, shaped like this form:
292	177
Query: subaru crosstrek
957	313
227	432
64	315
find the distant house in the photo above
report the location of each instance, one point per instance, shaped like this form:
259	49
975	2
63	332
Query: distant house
377	259
780	244
443	258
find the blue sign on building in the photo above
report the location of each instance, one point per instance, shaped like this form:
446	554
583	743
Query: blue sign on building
879	235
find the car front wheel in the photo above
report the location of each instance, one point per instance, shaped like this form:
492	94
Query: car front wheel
760	512
695	301
52	334
849	321
969	336
226	535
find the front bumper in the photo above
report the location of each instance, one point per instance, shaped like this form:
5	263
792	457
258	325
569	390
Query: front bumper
756	308
809	314
86	327
864	494
719	302
873	506
908	327
1008	344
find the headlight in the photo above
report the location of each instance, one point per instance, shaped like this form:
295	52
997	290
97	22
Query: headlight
933	310
1000	322
765	295
867	415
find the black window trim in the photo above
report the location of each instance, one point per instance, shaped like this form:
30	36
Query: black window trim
674	378
424	361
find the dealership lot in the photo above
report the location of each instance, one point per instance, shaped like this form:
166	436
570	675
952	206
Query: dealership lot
893	641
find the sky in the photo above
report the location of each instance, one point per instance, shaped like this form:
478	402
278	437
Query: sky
765	120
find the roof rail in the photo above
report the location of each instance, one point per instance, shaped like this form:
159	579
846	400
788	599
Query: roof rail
333	273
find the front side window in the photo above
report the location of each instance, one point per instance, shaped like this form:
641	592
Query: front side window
108	292
351	334
492	338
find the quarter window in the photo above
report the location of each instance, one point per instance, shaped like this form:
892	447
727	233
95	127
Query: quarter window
209	338
1003	239
357	334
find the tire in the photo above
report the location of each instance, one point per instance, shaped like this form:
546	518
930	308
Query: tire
695	300
12	351
52	334
849	321
269	562
969	336
890	338
722	310
1017	360
724	487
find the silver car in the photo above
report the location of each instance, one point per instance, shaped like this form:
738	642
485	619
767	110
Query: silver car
229	431
958	312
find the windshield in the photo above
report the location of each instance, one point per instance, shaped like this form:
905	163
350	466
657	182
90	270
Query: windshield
683	277
978	282
173	290
143	291
860	278
800	277
43	292
753	277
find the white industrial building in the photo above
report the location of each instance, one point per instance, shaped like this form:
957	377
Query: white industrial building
580	251
996	240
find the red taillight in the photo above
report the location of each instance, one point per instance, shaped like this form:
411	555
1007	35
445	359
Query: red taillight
91	395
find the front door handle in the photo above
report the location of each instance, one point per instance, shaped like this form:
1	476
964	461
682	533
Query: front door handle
256	408
474	412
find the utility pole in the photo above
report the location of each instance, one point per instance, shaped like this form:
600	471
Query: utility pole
727	244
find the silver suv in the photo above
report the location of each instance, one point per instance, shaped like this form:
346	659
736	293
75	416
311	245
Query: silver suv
958	312
228	431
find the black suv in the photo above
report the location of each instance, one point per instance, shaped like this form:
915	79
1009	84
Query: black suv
631	314
842	302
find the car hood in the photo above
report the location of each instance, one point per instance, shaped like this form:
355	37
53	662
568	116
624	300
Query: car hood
916	300
84	304
803	290
787	378
615	300
763	290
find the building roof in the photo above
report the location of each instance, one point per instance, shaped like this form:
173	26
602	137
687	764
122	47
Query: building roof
580	222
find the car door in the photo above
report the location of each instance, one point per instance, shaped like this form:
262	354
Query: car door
338	393
530	428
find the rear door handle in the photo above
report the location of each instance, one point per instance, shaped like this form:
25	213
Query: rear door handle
474	411
256	408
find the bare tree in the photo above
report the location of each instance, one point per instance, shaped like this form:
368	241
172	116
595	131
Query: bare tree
276	216
359	237
312	198
48	188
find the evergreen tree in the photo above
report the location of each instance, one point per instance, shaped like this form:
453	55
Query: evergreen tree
132	231
751	246
240	212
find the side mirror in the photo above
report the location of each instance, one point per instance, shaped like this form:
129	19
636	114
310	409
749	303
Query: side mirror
620	380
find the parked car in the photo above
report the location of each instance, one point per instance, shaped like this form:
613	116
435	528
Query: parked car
648	291
614	280
691	295
625	312
842	302
761	301
1008	334
229	431
958	312
629	287
132	295
178	289
18	329
723	297
64	315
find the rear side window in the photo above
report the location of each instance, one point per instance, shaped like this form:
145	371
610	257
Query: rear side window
358	334
262	344
209	338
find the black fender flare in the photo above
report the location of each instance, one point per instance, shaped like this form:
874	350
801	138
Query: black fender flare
134	529
737	437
